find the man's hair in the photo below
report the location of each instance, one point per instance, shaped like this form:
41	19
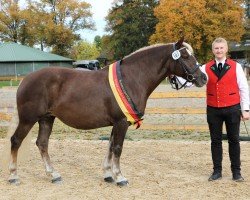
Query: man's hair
219	40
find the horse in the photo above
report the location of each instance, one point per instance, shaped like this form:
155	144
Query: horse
85	100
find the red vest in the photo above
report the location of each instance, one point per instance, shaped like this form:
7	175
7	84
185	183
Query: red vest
222	91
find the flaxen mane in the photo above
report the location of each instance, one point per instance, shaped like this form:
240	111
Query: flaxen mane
188	46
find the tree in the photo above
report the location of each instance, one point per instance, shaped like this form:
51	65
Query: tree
84	50
38	26
12	24
73	14
130	24
200	22
106	50
67	17
246	36
98	42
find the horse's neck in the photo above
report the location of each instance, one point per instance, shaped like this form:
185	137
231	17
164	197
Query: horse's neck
148	71
142	74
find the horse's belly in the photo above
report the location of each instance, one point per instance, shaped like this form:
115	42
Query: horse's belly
84	122
84	110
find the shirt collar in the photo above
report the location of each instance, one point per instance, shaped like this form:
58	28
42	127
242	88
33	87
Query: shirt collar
222	61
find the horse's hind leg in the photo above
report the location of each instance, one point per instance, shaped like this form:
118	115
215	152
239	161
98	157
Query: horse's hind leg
45	128
16	140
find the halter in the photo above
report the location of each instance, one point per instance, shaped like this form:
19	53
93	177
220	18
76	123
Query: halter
176	55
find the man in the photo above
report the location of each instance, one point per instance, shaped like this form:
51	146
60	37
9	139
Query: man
227	101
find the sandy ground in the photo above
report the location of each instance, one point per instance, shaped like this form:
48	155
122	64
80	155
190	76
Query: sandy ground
155	170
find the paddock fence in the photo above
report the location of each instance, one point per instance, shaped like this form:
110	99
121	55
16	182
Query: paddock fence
168	110
176	110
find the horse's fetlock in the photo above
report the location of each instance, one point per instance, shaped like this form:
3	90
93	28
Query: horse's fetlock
49	171
12	169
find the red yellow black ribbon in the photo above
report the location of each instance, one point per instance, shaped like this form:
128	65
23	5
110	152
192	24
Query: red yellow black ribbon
123	99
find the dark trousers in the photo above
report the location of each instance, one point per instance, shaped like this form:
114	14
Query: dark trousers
215	118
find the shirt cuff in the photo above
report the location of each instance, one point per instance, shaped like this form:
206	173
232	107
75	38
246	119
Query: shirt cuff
245	107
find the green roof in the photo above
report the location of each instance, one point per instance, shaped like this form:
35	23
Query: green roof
13	52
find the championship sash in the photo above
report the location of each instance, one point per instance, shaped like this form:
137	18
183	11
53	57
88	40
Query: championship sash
123	99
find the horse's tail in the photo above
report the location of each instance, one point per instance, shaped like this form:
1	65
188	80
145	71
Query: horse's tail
23	153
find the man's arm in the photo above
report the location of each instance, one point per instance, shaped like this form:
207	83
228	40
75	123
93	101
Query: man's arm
244	92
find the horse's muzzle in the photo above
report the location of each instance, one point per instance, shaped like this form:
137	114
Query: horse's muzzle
204	78
201	80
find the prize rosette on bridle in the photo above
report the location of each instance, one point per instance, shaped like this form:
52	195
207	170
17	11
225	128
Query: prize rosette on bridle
123	99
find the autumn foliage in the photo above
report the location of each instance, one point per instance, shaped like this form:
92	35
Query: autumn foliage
200	22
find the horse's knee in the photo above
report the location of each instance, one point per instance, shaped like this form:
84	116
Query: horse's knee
15	142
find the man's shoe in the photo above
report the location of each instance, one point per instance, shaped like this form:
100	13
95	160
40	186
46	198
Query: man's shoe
215	176
237	177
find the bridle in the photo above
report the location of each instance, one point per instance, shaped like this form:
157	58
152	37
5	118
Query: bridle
176	55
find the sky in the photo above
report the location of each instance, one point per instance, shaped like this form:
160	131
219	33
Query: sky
99	10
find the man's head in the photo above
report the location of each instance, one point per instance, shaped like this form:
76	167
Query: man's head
220	48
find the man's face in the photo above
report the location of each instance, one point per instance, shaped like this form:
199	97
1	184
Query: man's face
220	50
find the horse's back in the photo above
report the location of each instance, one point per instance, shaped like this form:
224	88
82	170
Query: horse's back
49	74
57	77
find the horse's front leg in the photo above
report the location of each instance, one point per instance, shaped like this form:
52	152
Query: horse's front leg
45	128
119	131
107	164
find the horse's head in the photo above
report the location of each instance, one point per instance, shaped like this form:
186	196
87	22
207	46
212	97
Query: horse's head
186	65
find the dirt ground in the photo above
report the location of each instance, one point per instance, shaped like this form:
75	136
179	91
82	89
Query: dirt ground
155	170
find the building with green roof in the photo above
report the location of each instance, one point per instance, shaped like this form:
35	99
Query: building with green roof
19	60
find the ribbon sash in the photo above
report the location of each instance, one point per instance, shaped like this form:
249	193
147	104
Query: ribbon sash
123	99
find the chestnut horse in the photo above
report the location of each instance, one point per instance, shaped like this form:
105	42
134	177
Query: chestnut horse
84	100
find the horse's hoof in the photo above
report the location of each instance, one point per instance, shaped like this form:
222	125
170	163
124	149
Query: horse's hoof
109	179
122	183
14	181
57	180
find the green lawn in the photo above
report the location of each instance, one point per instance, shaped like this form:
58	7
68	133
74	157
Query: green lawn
9	83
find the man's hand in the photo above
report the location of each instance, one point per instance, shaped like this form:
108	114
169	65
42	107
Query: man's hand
245	115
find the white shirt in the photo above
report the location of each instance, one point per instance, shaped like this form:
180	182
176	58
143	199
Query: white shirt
222	62
241	81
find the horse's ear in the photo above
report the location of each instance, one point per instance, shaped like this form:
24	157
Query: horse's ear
179	43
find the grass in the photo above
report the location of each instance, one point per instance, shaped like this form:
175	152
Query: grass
3	131
9	83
